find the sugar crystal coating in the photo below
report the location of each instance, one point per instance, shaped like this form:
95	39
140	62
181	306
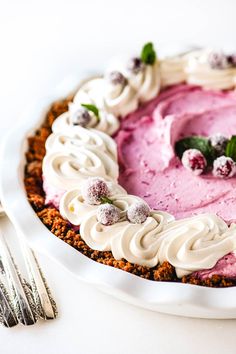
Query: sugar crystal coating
116	78
108	214
224	167
138	212
218	60
219	143
94	189
80	116
194	161
135	65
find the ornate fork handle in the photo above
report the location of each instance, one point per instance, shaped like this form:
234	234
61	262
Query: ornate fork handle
20	302
7	316
45	305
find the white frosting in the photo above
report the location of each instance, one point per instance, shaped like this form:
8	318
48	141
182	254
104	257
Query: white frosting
74	208
65	170
146	82
73	139
120	99
91	91
200	73
107	123
188	244
196	243
173	70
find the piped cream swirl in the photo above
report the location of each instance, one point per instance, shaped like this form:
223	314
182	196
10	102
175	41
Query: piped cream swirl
73	139
188	244
107	123
199	72
91	91
65	170
75	209
146	82
120	99
173	70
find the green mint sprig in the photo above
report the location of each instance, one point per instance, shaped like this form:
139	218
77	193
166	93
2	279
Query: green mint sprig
196	142
105	200
230	150
92	108
148	54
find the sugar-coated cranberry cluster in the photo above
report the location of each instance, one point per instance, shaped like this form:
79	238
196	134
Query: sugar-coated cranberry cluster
223	166
219	60
95	191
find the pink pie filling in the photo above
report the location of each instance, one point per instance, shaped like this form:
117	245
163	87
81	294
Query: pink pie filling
150	169
53	195
148	165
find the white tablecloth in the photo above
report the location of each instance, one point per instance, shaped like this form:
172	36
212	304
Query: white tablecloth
44	42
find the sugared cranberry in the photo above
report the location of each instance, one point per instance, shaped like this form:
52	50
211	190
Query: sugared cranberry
218	60
108	214
79	115
138	212
117	78
232	59
193	160
94	189
219	143
135	65
224	167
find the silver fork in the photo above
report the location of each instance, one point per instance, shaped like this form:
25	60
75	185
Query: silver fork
24	302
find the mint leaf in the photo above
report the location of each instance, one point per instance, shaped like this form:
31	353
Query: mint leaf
230	150
91	108
105	200
148	54
195	142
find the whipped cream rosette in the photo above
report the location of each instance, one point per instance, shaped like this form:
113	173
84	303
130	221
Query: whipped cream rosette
65	170
106	123
91	91
201	72
172	70
124	239
72	140
196	242
119	96
146	81
188	244
74	208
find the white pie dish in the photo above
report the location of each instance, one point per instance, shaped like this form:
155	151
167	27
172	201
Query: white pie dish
173	298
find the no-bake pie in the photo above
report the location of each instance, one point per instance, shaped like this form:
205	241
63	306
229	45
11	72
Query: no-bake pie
138	169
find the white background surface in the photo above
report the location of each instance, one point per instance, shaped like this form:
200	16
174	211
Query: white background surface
42	43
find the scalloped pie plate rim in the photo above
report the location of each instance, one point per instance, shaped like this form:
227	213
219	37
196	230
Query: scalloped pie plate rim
166	297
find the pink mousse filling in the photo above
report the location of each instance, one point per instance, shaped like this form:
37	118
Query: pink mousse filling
150	169
148	165
53	194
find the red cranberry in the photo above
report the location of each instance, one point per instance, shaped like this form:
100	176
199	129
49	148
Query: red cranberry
94	189
224	167
193	160
117	78
218	60
79	116
219	143
138	212
108	214
232	59
135	65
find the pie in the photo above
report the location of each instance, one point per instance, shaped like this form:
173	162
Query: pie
138	169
